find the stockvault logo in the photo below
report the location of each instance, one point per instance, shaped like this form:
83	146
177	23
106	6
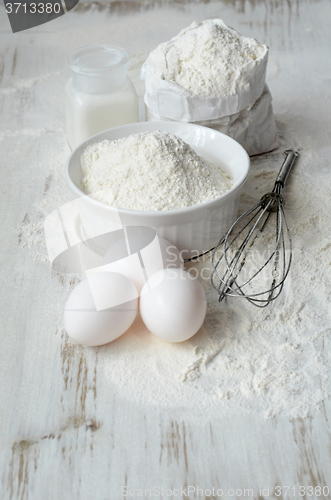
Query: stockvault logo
31	13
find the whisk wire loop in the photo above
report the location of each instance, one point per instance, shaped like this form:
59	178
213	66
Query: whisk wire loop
229	282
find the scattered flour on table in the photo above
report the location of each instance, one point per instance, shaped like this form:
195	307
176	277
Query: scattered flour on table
208	58
269	362
150	171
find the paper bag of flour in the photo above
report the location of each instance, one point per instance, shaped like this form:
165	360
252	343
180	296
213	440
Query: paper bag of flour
211	75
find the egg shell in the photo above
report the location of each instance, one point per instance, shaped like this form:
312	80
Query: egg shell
91	327
173	305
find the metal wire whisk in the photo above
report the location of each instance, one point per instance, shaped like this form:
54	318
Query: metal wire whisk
235	270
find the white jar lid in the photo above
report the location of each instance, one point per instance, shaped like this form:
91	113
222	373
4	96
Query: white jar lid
99	68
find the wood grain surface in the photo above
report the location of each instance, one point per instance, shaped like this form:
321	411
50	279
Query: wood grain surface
66	432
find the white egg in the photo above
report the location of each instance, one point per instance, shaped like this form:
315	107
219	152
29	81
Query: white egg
141	254
100	309
173	305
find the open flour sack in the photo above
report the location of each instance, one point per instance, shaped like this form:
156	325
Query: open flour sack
253	127
211	75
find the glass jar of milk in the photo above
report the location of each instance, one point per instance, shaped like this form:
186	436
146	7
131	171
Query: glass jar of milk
99	95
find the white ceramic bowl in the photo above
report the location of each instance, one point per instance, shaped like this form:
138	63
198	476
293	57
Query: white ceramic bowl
193	230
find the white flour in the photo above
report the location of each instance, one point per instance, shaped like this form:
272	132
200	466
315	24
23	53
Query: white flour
150	171
267	362
209	58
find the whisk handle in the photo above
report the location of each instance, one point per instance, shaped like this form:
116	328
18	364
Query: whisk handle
285	169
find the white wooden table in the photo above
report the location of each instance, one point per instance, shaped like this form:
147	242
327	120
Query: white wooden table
66	432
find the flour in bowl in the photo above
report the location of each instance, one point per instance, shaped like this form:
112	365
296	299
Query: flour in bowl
150	171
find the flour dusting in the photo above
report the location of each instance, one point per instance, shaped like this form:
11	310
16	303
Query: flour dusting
274	361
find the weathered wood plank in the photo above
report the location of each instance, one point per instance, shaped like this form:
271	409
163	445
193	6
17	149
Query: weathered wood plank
66	430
